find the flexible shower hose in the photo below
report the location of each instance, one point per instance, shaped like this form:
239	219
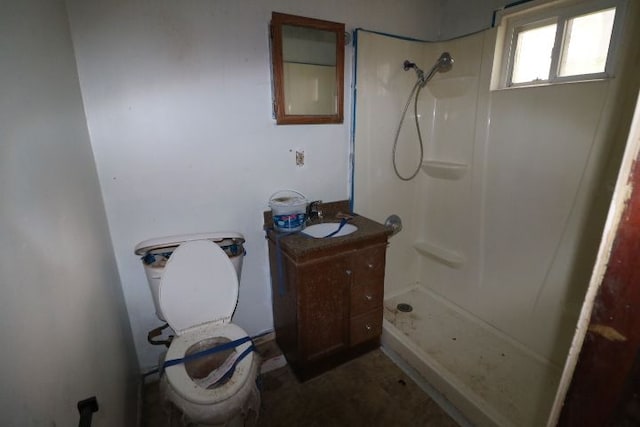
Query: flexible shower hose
416	89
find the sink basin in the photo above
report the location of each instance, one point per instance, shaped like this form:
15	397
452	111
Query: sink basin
323	230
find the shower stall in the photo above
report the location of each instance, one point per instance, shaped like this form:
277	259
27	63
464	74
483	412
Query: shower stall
501	224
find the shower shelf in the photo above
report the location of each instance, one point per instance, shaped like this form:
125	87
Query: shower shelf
444	170
442	255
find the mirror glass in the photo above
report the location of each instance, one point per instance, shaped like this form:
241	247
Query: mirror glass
308	70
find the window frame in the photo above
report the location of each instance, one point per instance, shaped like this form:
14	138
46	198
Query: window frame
521	27
536	14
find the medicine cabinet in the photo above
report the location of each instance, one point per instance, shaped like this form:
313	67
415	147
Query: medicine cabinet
308	69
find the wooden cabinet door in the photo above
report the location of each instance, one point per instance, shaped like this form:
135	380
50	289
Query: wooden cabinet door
324	306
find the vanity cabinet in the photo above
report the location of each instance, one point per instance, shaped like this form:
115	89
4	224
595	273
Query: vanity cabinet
327	300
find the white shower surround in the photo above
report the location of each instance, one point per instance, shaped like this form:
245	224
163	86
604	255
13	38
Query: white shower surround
495	226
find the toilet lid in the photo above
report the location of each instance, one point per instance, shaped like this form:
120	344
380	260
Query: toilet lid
199	285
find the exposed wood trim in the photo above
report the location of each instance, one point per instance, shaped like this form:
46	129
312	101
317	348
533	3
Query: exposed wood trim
607	370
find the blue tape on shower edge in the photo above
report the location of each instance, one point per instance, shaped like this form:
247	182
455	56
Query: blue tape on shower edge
395	36
352	160
512	4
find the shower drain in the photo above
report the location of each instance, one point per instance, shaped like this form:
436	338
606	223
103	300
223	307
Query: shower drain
406	308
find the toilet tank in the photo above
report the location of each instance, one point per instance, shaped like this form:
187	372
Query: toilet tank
154	254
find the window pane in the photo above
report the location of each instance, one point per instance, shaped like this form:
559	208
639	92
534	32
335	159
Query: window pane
532	58
586	43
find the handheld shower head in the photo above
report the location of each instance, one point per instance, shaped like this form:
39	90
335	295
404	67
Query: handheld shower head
443	64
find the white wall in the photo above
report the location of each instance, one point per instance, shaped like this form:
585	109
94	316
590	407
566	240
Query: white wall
65	334
178	101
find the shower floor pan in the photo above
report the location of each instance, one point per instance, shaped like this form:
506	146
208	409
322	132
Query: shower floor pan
491	379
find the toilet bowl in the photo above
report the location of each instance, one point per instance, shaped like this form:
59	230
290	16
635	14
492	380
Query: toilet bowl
198	293
235	402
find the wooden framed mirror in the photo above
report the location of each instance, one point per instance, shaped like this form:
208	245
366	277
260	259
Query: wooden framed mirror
308	70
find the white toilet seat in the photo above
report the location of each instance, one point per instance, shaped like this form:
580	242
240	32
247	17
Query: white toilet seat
199	286
182	383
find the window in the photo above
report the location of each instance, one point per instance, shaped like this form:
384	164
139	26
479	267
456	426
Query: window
532	54
552	42
586	43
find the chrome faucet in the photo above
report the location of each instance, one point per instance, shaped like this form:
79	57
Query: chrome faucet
314	211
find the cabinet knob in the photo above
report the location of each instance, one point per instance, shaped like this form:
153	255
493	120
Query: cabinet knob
368	297
348	272
367	327
370	265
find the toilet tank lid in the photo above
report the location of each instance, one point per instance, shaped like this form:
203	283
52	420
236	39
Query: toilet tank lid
146	246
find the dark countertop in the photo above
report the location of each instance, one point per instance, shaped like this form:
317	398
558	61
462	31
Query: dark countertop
300	247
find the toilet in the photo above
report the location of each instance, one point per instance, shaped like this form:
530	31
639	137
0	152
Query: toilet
194	281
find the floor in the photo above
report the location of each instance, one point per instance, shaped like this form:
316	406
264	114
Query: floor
368	391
